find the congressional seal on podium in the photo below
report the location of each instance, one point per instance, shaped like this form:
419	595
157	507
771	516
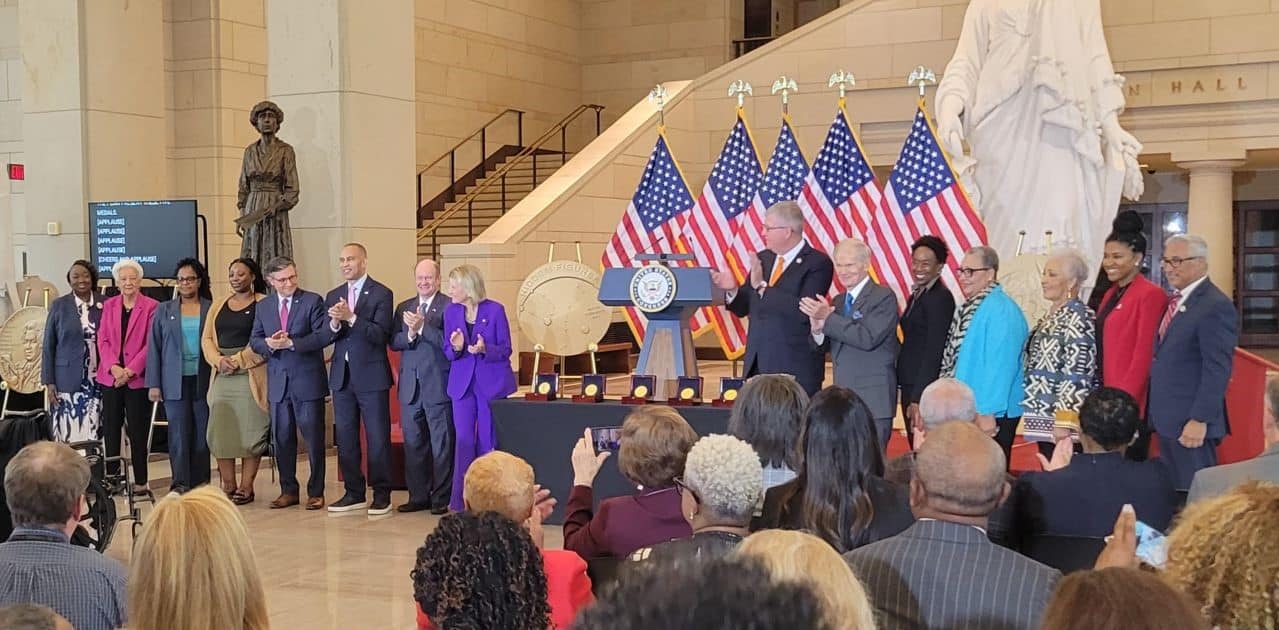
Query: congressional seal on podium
653	288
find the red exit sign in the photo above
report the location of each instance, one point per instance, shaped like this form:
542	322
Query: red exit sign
17	172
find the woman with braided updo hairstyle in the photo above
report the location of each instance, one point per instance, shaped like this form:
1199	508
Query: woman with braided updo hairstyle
1224	554
481	571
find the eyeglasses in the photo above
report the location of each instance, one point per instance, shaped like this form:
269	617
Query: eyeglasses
1175	262
769	228
187	279
968	272
683	487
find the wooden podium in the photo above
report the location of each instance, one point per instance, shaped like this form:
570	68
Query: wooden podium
667	350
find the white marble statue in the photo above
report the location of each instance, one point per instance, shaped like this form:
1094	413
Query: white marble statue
1032	90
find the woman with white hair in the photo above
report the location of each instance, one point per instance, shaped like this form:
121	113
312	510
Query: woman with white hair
722	483
122	361
1061	355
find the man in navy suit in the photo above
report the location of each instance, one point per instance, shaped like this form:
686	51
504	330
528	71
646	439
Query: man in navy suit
290	329
789	269
360	321
426	411
1194	352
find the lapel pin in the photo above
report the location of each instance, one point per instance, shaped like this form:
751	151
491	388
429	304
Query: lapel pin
799	261
1181	309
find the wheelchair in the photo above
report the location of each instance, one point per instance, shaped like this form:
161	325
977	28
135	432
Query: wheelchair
98	519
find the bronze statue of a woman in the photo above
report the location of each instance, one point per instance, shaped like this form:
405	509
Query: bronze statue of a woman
268	189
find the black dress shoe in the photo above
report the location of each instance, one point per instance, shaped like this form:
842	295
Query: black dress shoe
440	510
380	506
412	507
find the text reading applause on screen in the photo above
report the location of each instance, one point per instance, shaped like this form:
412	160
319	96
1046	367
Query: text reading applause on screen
156	234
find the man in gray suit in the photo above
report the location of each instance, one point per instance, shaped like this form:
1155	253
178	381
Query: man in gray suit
1211	482
943	572
426	411
860	330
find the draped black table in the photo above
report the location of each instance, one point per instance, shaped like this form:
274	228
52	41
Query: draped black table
543	434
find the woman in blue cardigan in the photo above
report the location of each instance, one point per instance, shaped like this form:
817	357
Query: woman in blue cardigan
984	350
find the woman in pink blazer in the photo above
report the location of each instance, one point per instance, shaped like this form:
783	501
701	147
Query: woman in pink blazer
122	358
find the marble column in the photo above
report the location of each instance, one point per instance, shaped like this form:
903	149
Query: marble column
93	119
344	76
1211	215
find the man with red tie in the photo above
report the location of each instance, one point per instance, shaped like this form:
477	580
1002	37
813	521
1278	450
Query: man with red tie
290	329
787	270
1194	352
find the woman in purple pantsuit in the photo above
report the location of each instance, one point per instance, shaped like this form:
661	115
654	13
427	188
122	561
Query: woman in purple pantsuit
477	339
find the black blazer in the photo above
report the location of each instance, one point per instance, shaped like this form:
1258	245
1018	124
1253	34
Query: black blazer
1084	498
63	362
364	343
784	509
925	326
777	341
424	370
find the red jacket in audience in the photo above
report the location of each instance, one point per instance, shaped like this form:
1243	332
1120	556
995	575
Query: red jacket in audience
568	588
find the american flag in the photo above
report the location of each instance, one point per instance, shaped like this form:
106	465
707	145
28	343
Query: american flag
840	197
923	196
783	180
653	221
729	191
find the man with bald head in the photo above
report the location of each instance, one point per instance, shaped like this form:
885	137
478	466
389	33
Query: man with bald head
426	411
943	572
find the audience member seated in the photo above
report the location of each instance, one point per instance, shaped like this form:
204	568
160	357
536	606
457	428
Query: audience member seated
792	556
193	567
840	494
721	486
944	400
31	617
654	443
1120	598
1223	554
43	486
1081	494
503	483
944	572
1211	482
726	593
769	415
481	570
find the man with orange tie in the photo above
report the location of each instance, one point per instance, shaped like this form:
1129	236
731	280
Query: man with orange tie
1194	353
777	338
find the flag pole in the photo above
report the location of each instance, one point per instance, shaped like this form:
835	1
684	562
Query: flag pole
741	89
922	77
845	81
785	85
658	97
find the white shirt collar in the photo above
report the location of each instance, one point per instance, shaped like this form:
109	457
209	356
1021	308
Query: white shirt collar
427	300
1185	293
79	302
980	529
857	290
358	283
793	253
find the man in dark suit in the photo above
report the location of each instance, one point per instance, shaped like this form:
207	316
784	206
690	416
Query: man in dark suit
1218	480
1194	353
925	324
290	329
859	328
426	411
789	269
360	321
943	572
1081	494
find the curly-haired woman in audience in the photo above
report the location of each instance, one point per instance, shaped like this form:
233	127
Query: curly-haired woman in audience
769	415
840	494
1119	597
792	556
654	444
193	567
721	486
1224	553
481	571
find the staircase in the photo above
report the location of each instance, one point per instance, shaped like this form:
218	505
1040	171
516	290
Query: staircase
491	201
478	197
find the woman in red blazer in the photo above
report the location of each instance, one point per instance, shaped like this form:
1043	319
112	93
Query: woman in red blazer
122	359
1128	319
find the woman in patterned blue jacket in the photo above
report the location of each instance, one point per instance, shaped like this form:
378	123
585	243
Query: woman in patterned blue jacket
1061	356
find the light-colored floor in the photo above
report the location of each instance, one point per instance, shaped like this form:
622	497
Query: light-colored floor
327	571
